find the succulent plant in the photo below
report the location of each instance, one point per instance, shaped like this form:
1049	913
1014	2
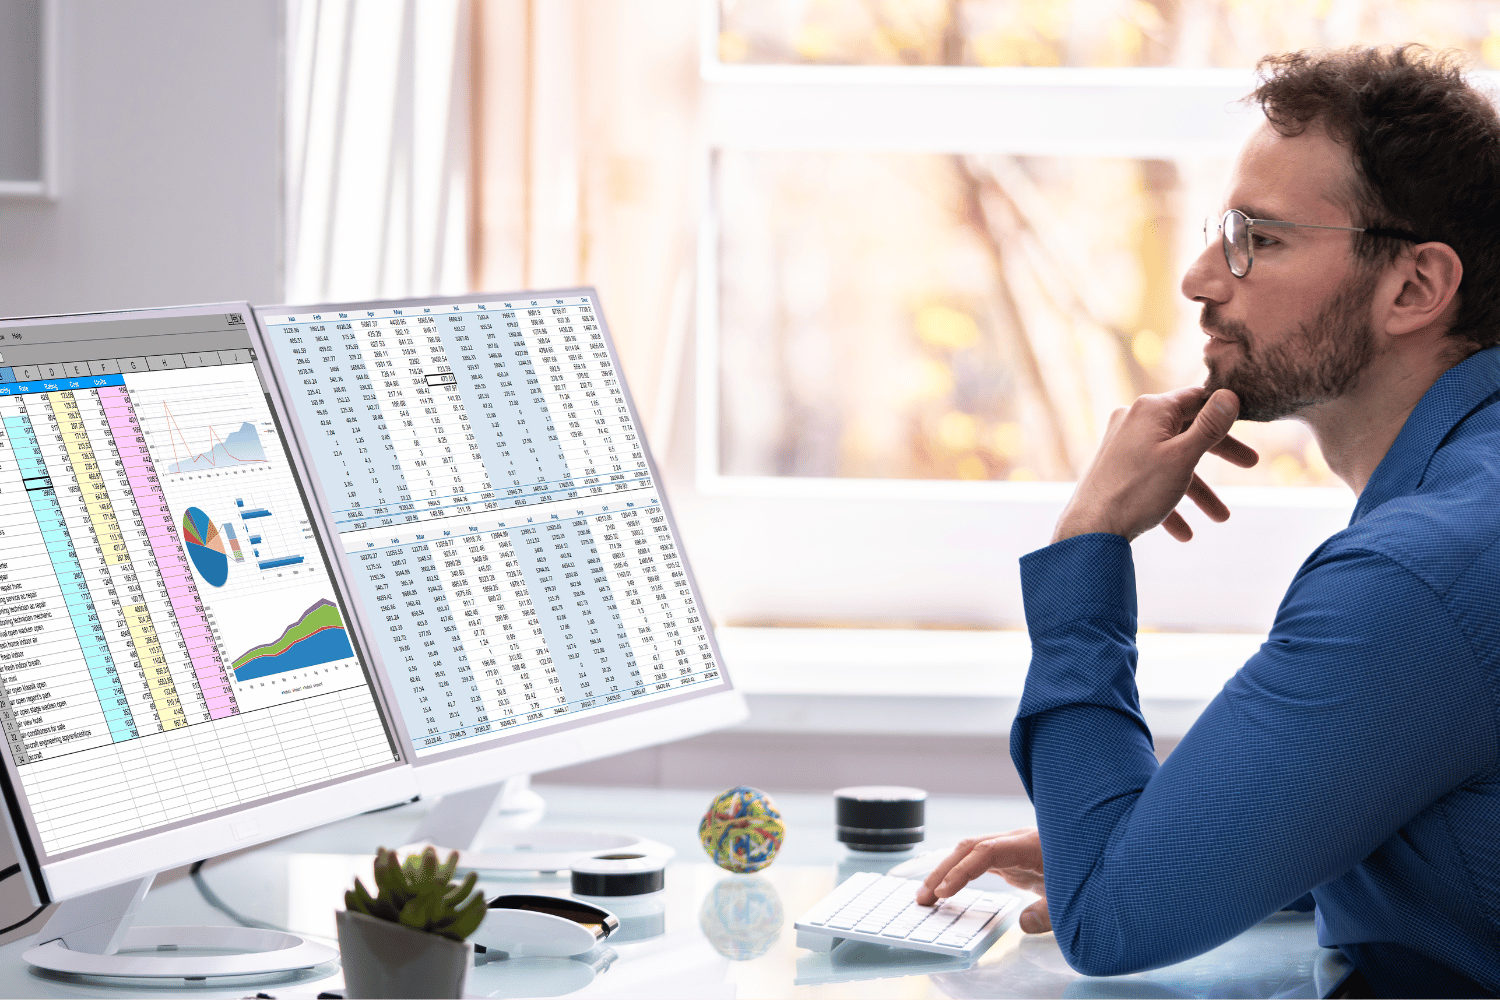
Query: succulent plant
420	894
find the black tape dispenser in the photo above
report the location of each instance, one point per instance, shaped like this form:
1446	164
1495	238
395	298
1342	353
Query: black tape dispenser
548	926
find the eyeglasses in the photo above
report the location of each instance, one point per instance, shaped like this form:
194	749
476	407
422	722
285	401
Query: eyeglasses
1238	232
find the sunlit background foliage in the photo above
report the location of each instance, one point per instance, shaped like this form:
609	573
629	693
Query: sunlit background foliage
917	316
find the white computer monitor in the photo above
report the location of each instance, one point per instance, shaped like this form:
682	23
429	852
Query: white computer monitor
178	674
483	478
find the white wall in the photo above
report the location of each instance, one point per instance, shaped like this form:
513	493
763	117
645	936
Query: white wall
170	159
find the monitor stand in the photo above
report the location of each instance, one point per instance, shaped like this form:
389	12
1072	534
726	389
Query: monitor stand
92	936
494	829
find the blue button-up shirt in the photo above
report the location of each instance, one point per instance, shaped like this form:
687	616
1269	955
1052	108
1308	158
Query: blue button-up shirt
1356	755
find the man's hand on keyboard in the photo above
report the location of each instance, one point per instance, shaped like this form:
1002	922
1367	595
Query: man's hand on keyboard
1015	856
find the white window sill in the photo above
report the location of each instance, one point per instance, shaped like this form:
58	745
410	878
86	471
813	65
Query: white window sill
953	683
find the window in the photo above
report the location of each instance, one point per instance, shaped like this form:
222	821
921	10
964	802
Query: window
940	242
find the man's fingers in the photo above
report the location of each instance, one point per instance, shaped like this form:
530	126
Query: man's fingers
1035	919
1213	422
1207	500
972	858
1177	527
967	869
927	891
1236	452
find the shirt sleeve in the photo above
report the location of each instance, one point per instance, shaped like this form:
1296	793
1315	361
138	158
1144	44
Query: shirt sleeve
1364	706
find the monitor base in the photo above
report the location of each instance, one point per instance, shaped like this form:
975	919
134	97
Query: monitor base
187	952
92	936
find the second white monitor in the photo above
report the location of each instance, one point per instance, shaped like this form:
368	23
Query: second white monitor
494	506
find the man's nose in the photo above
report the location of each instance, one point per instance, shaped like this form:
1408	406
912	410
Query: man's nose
1207	278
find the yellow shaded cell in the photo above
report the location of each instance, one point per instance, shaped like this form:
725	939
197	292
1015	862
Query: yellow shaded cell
106	527
80	451
154	665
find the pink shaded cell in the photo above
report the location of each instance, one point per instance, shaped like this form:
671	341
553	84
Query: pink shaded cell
171	559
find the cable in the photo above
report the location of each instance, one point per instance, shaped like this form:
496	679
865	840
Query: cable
6	873
212	899
381	809
23	921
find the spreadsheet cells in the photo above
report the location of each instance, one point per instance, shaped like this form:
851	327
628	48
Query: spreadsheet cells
205	547
241	447
317	636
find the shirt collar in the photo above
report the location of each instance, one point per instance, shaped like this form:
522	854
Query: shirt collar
1455	395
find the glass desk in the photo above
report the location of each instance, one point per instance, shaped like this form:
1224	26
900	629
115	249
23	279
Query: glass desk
709	933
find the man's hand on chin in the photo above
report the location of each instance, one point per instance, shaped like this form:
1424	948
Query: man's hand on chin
1145	464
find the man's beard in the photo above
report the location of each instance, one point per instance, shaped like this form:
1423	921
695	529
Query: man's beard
1321	360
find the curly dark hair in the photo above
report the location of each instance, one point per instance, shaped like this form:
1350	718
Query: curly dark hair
1426	150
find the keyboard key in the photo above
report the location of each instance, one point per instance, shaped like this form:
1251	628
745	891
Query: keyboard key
880	916
861	906
907	922
884	908
839	897
934	925
965	927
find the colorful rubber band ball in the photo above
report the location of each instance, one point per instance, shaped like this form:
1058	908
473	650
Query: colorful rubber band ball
742	830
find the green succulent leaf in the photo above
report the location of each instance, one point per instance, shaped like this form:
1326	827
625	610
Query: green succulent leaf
359	899
469	917
429	864
457	894
419	893
414	914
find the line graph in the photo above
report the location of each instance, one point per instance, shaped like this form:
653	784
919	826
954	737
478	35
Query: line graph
221	426
240	447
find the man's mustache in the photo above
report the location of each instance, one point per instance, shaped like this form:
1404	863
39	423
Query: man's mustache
1224	329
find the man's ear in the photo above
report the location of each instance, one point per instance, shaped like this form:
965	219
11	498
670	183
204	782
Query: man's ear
1420	289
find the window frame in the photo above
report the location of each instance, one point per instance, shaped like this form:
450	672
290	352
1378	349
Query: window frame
1132	112
1128	113
45	184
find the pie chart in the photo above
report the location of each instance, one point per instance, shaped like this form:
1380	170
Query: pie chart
205	546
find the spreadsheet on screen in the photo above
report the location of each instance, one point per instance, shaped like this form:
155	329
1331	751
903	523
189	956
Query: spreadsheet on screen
172	644
496	511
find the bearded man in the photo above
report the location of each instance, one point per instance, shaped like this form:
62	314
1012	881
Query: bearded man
1354	284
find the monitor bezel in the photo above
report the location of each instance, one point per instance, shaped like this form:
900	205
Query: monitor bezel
137	856
564	744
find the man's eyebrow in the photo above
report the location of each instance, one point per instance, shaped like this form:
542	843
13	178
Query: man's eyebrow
1252	212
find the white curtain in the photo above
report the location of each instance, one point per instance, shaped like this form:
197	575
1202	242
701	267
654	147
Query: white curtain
377	149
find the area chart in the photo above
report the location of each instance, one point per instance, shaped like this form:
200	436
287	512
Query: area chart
318	636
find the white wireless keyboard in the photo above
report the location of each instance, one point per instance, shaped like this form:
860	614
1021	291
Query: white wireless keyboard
882	909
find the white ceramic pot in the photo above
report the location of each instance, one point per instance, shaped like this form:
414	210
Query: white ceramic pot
384	960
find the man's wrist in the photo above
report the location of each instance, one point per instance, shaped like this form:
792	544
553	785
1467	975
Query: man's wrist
1078	522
